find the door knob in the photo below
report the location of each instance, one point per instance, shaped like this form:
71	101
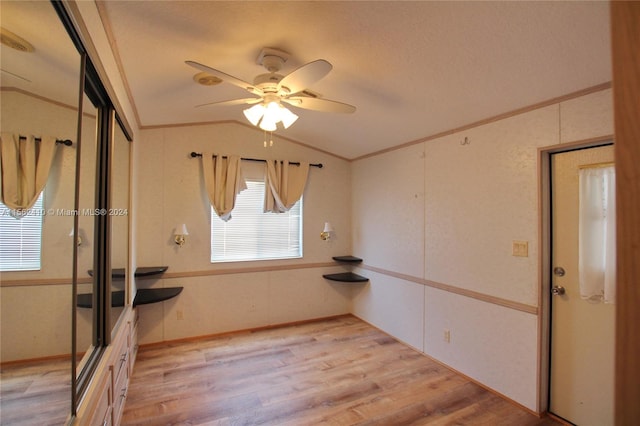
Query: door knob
558	271
558	290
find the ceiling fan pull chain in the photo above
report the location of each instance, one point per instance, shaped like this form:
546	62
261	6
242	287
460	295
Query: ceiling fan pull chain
270	139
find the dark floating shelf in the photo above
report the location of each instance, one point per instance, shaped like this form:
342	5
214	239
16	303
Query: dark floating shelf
145	296
147	271
347	259
346	277
115	273
86	300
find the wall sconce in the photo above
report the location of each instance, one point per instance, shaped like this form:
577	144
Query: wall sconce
326	232
79	239
180	234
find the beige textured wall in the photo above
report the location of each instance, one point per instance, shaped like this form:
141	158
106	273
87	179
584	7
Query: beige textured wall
170	190
482	196
471	201
389	232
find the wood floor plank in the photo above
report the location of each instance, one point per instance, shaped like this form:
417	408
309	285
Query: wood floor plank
35	393
339	371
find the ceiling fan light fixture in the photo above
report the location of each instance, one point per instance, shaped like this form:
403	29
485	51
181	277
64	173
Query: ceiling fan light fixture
268	125
272	89
254	114
287	117
267	117
272	112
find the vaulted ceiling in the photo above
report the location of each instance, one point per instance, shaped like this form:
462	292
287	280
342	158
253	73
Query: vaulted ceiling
412	68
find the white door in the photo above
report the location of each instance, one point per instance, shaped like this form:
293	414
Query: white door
582	332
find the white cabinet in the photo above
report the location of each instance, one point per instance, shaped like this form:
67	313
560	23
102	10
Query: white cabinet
104	400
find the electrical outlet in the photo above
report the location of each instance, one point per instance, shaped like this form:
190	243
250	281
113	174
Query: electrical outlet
520	248
447	336
180	315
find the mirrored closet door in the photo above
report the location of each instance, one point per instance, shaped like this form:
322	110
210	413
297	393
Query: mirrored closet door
64	221
40	88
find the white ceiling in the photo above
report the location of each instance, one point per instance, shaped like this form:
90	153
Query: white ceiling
412	69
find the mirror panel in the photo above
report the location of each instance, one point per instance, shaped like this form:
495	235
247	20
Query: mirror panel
85	312
39	92
119	214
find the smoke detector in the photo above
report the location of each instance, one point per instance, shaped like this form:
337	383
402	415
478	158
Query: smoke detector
14	41
206	79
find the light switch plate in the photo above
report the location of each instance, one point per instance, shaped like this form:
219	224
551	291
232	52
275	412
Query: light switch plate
520	248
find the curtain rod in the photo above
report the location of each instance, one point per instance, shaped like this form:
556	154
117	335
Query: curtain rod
199	154
66	142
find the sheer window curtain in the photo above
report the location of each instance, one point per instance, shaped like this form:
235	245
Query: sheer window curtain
25	168
223	180
284	185
597	234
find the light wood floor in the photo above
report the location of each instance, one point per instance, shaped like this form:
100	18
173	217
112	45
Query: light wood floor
35	393
339	371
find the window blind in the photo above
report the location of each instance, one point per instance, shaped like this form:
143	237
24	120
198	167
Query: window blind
252	234
21	238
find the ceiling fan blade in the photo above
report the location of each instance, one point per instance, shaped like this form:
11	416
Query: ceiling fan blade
318	104
247	101
226	77
305	76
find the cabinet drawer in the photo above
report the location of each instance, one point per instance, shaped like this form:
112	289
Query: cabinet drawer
120	358
102	414
120	393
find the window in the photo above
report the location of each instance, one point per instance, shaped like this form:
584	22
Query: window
251	234
20	245
597	234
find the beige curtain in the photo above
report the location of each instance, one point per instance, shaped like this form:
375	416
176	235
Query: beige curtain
223	179
284	185
25	168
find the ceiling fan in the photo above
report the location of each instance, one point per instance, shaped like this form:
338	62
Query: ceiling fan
271	89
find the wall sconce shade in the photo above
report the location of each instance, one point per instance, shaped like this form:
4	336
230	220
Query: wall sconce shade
180	234
326	232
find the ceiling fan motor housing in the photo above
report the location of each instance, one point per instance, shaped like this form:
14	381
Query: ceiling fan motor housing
268	82
272	59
